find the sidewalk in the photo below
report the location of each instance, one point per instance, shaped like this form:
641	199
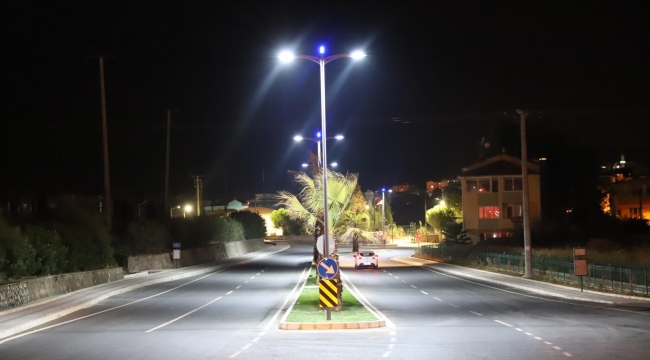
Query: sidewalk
539	287
16	320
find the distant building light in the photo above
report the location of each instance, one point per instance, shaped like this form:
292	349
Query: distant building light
542	159
622	161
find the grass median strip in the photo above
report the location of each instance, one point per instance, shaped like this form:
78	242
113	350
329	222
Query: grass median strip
306	309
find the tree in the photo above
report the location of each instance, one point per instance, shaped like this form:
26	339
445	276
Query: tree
441	217
253	223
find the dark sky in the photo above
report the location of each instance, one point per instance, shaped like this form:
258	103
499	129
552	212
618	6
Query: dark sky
447	72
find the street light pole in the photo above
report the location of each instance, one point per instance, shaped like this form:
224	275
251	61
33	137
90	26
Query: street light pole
383	215
528	263
322	61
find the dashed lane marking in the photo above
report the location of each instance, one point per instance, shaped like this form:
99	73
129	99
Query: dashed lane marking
238	287
437	298
423	292
229	292
502	323
455	306
413	286
184	315
235	354
475	313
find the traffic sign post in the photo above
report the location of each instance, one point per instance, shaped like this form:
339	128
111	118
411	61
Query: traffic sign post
580	263
327	270
176	253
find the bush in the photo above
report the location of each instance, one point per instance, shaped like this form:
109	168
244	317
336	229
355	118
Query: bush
87	239
281	219
147	237
203	230
227	230
50	252
10	238
253	223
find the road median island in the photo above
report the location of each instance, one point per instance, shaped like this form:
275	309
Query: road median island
305	313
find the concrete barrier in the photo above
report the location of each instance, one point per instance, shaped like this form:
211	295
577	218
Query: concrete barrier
25	292
149	262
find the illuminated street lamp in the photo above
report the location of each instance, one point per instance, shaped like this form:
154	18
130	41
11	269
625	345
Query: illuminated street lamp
322	60
187	209
317	140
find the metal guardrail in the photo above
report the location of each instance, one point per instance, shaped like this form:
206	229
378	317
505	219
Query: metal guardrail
630	278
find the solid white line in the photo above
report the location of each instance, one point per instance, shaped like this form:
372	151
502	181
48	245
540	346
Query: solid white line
538	338
107	310
423	292
413	286
567	354
182	316
454	305
277	313
441	272
502	323
238	287
548	343
557	348
437	298
475	313
235	354
229	292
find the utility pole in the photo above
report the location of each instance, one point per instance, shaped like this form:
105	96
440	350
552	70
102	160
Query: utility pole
169	116
107	181
528	263
198	184
225	178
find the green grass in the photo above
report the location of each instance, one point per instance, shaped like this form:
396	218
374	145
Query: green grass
313	278
306	309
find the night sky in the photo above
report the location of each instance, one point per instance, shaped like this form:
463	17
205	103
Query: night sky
436	79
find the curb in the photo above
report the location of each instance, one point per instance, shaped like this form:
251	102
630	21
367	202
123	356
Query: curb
330	325
102	296
521	287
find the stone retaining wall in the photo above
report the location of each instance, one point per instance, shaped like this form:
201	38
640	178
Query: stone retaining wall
207	254
24	292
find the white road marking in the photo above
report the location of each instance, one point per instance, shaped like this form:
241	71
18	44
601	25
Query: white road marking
252	277
364	301
238	287
548	343
567	354
386	354
229	292
413	286
235	354
246	346
261	334
404	281
390	274
396	277
245	281
257	338
525	295
393	340
257	274
437	298
182	316
423	292
557	348
384	270
454	305
475	313
502	323
518	329
277	313
538	338
393	333
529	334
391	346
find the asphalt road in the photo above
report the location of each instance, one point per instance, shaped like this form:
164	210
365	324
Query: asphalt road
235	313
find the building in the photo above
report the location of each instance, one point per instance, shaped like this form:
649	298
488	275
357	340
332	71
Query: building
629	198
493	197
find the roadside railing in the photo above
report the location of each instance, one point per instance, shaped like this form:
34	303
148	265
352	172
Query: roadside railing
629	278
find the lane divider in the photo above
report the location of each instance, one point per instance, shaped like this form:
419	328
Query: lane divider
184	315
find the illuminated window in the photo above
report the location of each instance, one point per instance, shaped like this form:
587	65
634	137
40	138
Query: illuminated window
512	184
512	211
482	185
489	212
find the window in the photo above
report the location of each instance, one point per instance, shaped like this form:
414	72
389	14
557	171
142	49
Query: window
512	184
482	185
489	212
512	211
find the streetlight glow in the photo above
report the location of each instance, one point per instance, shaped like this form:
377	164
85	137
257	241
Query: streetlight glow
321	49
339	137
286	56
298	138
335	164
357	55
304	165
188	208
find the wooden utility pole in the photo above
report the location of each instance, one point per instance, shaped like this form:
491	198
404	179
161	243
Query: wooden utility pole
198	184
107	179
169	117
528	263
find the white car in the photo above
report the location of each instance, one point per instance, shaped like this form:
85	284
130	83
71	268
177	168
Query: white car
367	258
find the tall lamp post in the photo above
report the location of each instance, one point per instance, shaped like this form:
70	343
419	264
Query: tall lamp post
322	60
